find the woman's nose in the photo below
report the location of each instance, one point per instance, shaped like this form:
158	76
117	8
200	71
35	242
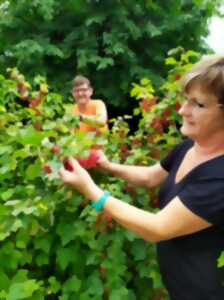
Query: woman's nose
185	109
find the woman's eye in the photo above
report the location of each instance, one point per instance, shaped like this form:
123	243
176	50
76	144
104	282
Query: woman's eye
195	103
201	105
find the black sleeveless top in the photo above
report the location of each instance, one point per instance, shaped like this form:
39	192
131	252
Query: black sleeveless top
188	264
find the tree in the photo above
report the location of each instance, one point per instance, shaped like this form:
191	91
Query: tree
113	42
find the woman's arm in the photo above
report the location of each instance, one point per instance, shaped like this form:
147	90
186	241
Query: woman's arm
172	221
136	175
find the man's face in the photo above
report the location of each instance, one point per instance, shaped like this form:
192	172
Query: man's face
82	93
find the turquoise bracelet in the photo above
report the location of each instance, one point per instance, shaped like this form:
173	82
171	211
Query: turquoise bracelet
99	203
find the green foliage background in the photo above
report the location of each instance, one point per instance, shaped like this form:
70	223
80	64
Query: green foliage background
113	42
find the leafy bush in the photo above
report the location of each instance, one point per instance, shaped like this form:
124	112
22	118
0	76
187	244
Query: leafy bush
54	246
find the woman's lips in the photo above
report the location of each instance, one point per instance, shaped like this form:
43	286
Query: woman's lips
189	122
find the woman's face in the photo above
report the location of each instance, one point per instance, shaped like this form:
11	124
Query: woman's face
202	115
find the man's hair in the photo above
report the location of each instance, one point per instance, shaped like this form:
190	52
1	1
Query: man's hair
80	80
209	74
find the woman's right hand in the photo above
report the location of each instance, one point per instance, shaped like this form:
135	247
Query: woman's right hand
77	177
103	162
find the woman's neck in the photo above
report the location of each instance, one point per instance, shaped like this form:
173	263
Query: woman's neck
210	147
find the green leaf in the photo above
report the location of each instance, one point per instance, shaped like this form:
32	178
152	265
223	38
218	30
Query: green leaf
94	20
67	233
42	259
73	284
10	257
95	285
131	236
52	50
33	170
119	294
22	207
139	249
22	290
54	284
43	243
64	257
9	164
38	295
7	194
171	61
22	239
221	260
104	63
30	136
152	29
5	149
3	294
22	153
4	280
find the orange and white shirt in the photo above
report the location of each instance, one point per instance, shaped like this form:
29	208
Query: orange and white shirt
93	108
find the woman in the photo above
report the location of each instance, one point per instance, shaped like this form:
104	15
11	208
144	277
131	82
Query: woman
189	228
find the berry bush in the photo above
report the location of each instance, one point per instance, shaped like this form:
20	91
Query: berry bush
53	245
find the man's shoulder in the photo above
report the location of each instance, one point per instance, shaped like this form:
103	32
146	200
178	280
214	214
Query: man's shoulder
97	102
74	108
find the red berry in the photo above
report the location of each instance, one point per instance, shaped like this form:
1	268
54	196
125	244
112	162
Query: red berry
136	142
37	126
67	165
21	89
177	77
34	102
98	219
108	218
157	125
177	105
93	158
89	162
47	169
110	225
146	104
83	162
124	149
102	270
55	149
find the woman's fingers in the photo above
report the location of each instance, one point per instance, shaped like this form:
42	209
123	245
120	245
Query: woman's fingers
102	157
78	178
73	173
103	161
67	176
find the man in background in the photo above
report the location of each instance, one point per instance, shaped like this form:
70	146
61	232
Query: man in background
92	113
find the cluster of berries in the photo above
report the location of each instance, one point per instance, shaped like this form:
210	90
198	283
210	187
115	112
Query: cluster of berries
87	163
